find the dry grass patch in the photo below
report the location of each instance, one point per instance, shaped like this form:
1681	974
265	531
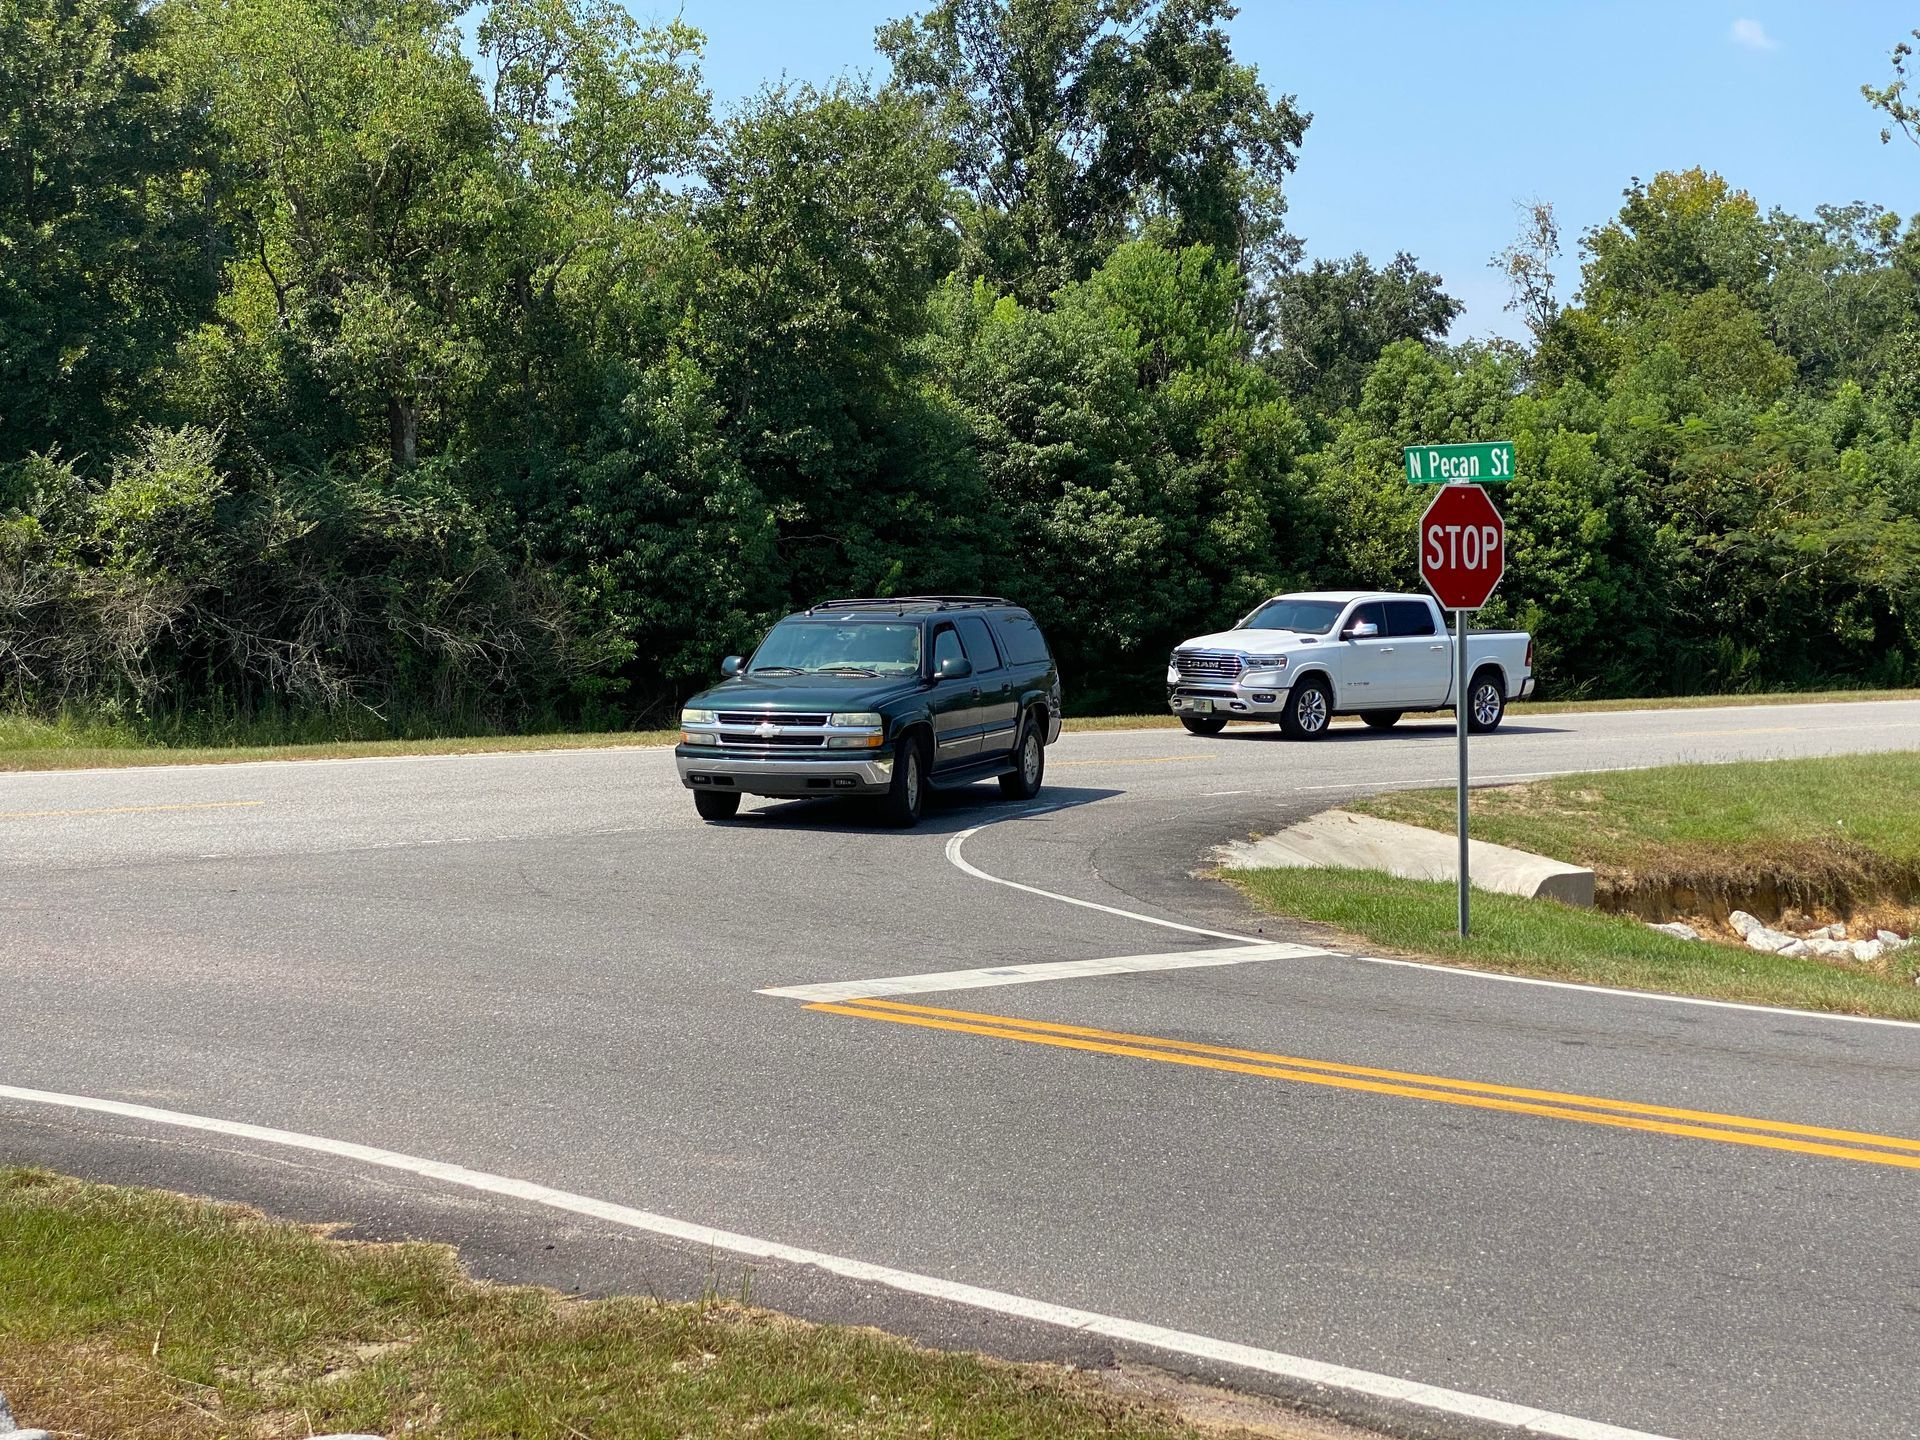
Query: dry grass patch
134	1313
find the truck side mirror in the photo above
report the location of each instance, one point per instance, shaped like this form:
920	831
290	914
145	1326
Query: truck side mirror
1360	630
730	666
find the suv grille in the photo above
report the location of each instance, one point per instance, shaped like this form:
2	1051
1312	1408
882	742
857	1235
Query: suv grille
778	717
1207	664
771	742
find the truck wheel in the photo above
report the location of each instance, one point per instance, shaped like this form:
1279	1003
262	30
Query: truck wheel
908	792
1308	711
1030	764
1486	702
1204	724
1381	719
717	804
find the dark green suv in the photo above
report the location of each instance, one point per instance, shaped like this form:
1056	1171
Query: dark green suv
881	698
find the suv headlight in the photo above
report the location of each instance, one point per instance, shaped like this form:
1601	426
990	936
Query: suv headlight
864	721
698	717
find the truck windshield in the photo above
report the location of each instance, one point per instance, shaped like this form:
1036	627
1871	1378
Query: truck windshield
1309	617
856	648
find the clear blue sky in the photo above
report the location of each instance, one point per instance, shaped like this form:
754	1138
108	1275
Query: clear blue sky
1431	120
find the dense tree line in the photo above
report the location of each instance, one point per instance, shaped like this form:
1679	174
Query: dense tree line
357	364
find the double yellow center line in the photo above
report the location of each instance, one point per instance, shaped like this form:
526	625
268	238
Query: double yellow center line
1553	1104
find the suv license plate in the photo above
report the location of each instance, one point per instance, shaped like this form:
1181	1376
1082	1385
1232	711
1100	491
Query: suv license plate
1200	707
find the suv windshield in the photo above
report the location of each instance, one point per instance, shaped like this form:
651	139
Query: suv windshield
856	648
1309	617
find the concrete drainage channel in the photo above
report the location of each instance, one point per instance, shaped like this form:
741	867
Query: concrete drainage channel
1340	839
10	1431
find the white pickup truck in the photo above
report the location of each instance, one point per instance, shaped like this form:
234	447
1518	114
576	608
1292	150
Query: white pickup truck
1302	659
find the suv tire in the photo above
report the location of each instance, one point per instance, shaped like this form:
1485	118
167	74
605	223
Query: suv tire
1308	711
1029	764
1381	719
1486	702
908	793
717	804
1204	724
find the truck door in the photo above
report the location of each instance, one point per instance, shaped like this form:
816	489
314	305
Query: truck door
1366	661
1421	655
955	705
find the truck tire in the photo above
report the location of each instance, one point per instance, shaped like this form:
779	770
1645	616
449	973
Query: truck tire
1308	711
717	804
1486	702
908	793
1029	761
1381	719
1204	724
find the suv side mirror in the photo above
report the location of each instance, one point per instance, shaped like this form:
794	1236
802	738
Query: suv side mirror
1360	630
730	666
955	667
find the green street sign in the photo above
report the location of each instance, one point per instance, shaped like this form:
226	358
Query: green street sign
1482	463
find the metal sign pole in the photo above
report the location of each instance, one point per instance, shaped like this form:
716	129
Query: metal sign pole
1460	731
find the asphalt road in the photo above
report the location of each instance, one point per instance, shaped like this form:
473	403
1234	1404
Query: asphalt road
543	966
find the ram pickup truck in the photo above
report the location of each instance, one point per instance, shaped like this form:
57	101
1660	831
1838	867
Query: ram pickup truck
1302	659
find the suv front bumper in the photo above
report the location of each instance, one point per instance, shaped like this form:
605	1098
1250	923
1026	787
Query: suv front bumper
705	767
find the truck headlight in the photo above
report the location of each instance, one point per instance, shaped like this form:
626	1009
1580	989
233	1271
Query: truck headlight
698	717
1173	672
854	720
1270	676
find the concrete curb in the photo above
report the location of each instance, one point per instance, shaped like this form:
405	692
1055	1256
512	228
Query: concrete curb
1342	840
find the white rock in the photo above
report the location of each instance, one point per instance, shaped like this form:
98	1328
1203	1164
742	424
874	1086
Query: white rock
1674	927
1796	949
1772	941
1746	924
1868	951
1830	949
1889	939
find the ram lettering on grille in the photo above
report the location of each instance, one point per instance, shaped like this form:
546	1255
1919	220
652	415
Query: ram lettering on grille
1208	664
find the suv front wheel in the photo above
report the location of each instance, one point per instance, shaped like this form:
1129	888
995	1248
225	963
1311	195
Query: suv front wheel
908	792
717	804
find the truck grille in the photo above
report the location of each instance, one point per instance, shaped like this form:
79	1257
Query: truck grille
1207	664
778	717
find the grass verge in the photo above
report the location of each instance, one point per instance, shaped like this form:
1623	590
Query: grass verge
32	744
1848	824
1548	939
27	744
131	1312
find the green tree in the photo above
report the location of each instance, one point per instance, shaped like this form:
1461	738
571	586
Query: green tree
1331	322
824	221
107	250
1145	466
1076	123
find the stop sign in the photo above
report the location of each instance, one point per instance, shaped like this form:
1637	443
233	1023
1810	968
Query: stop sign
1463	547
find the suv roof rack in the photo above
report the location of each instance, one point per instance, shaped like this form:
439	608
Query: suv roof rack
901	602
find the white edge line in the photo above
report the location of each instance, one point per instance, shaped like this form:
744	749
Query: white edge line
1524	1418
959	860
1778	1011
992	976
1459	972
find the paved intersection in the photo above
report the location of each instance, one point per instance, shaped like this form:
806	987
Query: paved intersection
543	967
